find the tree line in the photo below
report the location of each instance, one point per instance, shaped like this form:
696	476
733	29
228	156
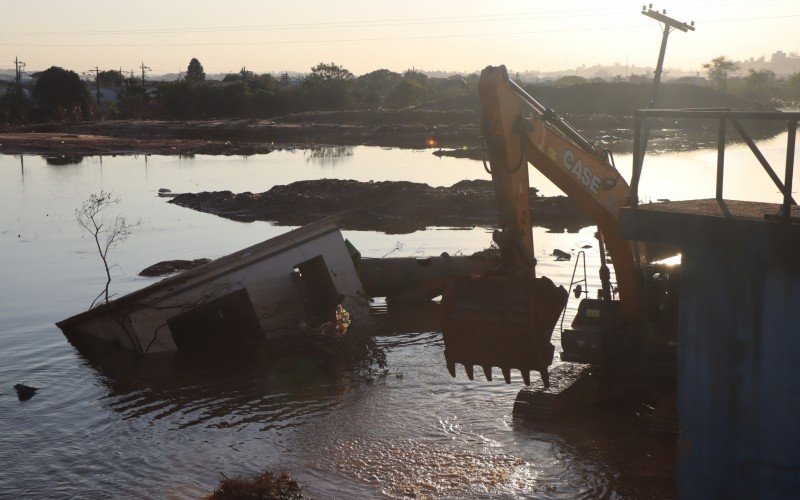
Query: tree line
762	86
60	95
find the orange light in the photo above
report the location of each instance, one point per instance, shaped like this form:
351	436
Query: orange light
431	142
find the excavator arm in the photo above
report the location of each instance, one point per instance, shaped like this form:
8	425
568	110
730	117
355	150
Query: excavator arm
516	126
506	317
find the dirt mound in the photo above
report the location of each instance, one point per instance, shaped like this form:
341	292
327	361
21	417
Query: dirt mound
386	117
394	207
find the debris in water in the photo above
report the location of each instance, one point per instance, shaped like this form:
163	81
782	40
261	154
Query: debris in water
334	346
561	255
413	280
172	266
25	392
267	485
258	293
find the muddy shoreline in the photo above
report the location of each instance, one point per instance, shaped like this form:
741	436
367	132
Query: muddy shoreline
454	134
62	144
225	137
391	207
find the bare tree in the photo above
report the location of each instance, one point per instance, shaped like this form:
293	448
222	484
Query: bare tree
106	234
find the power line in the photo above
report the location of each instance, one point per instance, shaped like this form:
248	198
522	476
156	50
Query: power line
376	22
330	24
330	40
748	18
365	24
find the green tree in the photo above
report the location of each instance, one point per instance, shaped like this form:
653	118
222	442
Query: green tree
793	87
330	72
760	85
718	70
284	81
135	102
61	94
329	86
195	73
14	107
178	99
568	81
111	78
407	92
244	74
375	86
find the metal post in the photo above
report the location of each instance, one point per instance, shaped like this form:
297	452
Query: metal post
668	25
659	67
720	157
638	156
787	194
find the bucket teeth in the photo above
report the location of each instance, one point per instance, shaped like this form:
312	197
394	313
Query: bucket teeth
526	376
507	374
470	372
451	367
487	372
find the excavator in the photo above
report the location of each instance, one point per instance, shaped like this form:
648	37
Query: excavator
505	318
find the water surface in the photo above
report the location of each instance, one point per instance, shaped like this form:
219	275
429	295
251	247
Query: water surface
167	427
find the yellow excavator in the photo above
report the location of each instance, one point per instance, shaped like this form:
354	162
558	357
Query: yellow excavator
505	318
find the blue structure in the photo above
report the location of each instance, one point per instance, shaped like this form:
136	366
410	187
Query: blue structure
739	323
738	344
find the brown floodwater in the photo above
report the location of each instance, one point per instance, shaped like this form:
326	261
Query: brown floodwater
120	426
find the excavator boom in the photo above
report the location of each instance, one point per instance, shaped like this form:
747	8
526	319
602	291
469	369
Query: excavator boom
506	318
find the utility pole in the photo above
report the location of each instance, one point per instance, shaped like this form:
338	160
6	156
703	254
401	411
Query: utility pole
18	67
96	72
668	24
144	68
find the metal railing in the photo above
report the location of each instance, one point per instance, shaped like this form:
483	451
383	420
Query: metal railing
723	116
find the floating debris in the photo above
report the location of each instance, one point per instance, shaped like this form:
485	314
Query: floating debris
267	485
166	267
258	293
561	255
25	392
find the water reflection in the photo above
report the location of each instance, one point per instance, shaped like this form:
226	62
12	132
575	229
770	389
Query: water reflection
250	386
262	384
61	160
145	426
329	156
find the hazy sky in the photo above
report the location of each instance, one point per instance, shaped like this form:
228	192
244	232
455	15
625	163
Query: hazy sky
365	35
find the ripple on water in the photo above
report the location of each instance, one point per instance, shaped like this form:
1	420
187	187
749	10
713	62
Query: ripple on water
433	469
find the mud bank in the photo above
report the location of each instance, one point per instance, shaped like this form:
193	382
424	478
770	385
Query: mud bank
391	207
231	136
64	144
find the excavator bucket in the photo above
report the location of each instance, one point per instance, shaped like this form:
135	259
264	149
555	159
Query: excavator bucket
497	321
